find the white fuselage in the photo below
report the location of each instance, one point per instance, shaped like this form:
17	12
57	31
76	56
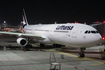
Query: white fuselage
73	35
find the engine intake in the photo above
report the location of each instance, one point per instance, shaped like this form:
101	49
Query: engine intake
22	41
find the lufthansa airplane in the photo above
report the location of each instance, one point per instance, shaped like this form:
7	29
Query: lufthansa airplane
69	34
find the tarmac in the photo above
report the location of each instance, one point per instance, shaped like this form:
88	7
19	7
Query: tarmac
36	59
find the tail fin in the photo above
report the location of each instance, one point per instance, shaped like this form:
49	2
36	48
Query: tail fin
25	22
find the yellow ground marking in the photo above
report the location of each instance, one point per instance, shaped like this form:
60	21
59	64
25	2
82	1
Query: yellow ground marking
50	50
67	54
34	45
97	62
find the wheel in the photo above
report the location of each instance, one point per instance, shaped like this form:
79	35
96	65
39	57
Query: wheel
28	46
54	45
84	48
41	45
81	55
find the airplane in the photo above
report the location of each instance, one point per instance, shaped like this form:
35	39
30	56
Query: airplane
69	34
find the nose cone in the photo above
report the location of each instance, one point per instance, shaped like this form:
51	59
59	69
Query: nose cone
96	39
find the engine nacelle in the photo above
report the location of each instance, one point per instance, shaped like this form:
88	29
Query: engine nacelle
22	41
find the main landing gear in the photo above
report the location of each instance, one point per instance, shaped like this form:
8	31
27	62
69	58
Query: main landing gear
81	54
41	45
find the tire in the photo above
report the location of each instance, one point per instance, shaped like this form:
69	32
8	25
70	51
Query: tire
81	55
41	45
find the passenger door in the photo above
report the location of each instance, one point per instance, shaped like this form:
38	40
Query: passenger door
74	32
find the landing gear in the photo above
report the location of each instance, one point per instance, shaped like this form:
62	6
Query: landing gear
56	46
27	47
81	54
41	45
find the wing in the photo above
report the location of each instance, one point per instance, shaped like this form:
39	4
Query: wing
24	35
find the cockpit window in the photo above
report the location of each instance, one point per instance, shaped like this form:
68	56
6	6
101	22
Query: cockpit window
93	31
96	31
88	32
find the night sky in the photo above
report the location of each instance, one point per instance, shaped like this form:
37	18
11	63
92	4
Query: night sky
43	11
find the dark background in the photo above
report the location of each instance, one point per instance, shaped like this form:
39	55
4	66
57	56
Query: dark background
50	11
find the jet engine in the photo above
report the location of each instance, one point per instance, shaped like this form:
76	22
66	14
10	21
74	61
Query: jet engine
22	41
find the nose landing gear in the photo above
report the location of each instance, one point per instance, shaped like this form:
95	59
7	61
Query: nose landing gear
81	54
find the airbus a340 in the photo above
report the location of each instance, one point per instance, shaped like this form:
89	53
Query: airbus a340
72	35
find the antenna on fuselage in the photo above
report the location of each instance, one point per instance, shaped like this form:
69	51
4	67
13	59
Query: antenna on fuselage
55	22
84	22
